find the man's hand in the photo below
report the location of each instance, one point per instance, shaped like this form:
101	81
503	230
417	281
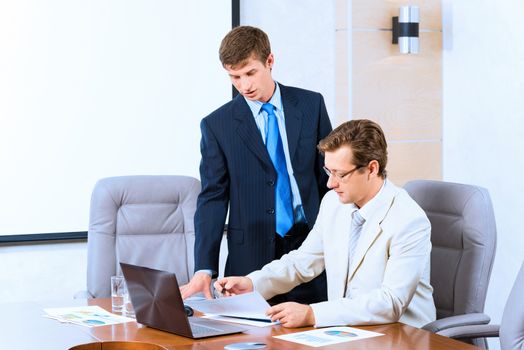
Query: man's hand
229	286
292	315
201	282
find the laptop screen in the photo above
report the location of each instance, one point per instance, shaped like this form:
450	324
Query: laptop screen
158	304
156	298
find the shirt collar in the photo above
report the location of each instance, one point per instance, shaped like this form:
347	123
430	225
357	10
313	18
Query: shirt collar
276	100
370	207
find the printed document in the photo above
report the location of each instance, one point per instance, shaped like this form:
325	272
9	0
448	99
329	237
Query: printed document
251	306
328	336
89	316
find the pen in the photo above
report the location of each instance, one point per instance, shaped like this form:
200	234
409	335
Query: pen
217	294
250	318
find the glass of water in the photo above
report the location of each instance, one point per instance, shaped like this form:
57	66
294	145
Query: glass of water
118	293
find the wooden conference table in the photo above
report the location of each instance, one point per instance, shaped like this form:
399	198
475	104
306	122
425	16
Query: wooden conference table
22	326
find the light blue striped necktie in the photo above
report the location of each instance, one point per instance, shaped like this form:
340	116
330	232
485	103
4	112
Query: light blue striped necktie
283	200
356	228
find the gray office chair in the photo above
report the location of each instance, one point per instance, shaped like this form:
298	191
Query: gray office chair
511	329
143	220
463	236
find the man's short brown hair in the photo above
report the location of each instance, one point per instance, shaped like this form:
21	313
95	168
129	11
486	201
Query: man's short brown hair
366	139
243	42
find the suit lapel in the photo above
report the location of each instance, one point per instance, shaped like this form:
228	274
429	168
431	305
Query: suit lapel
293	118
371	229
370	232
248	131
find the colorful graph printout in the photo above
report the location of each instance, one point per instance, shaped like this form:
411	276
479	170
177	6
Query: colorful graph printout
328	336
89	316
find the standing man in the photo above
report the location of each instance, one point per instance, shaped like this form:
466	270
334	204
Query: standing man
370	237
259	159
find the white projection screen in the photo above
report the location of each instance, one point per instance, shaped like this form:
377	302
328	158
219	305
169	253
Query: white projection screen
98	88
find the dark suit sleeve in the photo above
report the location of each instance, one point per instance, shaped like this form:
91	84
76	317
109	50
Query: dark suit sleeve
212	202
324	128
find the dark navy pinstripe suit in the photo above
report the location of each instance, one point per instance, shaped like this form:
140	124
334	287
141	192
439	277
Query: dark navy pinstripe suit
236	171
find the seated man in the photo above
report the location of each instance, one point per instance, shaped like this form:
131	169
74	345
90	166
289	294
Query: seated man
370	237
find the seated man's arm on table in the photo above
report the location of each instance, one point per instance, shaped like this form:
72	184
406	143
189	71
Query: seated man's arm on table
297	267
294	268
288	314
280	276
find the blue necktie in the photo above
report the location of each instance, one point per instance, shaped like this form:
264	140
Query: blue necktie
284	210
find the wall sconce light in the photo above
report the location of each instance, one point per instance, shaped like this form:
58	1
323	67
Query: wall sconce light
405	29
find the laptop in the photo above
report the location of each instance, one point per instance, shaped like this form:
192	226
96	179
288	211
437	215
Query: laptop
157	301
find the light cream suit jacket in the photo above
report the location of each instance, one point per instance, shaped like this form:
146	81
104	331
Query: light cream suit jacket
388	280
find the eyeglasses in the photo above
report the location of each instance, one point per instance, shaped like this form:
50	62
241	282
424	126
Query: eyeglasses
341	177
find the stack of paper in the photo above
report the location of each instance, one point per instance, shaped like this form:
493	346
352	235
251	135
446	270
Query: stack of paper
249	308
89	316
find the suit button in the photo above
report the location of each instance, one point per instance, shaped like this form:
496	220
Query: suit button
271	183
271	211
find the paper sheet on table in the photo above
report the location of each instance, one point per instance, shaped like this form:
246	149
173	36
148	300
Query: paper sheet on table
249	305
328	336
89	316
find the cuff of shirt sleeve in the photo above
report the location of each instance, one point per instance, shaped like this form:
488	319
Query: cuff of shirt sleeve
322	317
261	284
211	273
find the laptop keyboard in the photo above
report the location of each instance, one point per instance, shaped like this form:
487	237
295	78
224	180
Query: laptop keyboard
202	330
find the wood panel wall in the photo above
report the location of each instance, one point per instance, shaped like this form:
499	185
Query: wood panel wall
403	93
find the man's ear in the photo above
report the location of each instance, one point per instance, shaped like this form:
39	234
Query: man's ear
270	60
374	167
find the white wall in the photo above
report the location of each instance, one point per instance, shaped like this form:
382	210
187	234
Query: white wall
42	271
302	35
483	127
91	89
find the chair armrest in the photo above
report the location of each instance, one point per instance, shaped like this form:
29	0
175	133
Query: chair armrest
472	332
457	321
